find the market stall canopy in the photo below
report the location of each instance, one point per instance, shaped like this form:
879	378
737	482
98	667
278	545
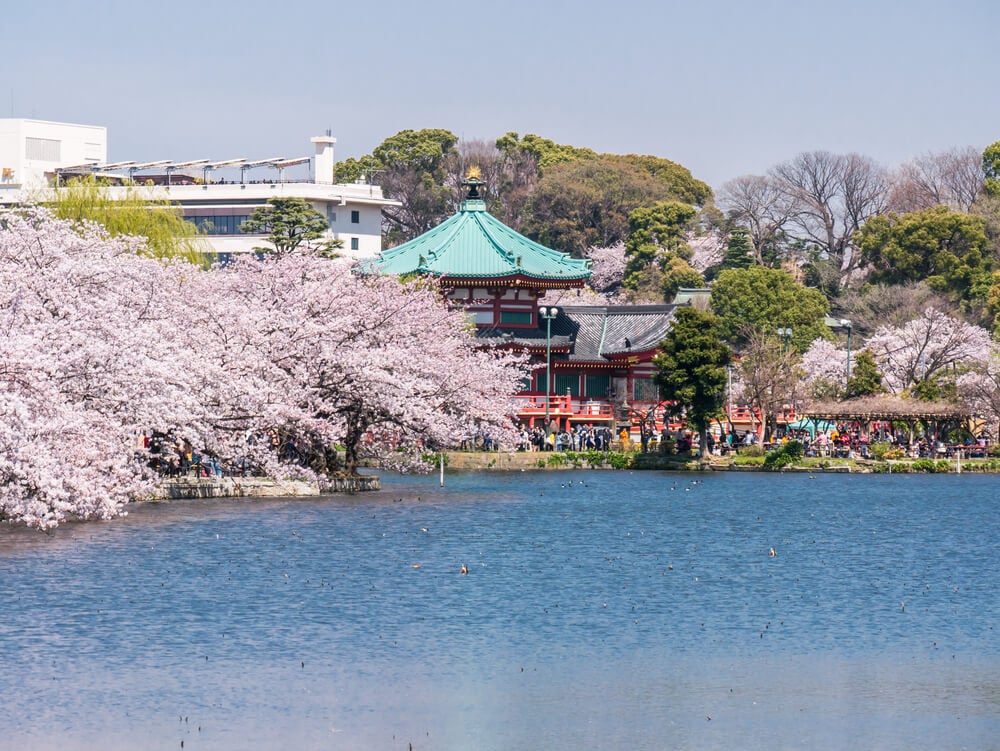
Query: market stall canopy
812	425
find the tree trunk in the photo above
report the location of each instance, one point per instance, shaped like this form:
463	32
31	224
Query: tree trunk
352	444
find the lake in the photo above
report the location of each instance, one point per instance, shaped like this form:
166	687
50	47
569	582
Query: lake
601	610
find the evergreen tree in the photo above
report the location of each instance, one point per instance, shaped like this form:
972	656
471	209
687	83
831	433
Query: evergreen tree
739	251
865	379
288	222
691	369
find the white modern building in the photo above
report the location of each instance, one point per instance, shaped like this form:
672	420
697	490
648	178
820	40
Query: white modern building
31	150
217	206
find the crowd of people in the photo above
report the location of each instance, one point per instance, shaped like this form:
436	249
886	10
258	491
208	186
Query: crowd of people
578	438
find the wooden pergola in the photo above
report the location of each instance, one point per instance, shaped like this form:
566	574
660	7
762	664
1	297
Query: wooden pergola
886	408
869	409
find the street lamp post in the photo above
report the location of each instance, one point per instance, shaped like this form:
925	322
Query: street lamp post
785	332
847	323
548	314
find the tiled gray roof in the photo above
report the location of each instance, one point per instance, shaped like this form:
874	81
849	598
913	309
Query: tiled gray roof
598	332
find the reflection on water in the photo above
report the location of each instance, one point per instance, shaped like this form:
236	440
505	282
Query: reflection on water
600	610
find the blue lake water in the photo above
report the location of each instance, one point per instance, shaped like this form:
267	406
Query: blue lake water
601	610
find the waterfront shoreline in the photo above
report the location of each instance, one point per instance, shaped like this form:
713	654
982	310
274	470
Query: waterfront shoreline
520	461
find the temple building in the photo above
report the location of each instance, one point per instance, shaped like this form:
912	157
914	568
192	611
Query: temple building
593	364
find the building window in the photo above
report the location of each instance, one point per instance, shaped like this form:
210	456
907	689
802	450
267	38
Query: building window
566	384
355	217
512	316
219	225
354	243
597	386
645	390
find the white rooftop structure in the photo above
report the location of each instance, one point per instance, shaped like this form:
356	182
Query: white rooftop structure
217	207
32	149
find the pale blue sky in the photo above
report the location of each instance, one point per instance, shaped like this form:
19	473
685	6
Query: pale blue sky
725	88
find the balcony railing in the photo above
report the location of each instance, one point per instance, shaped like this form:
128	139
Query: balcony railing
585	408
578	408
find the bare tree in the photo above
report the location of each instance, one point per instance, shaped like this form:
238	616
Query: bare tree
951	178
485	157
769	375
758	204
876	305
832	195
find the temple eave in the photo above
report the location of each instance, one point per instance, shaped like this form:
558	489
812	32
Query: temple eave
517	280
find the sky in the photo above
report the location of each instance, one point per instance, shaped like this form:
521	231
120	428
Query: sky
725	88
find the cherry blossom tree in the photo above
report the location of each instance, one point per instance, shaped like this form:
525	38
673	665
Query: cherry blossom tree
824	367
372	363
927	348
89	358
267	362
979	389
607	266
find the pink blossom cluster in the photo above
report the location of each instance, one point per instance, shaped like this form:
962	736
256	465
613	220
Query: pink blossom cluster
824	366
926	346
933	344
101	345
607	267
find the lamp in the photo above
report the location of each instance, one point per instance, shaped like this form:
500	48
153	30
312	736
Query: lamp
548	314
785	332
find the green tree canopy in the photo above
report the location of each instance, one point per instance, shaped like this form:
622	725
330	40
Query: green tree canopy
656	235
676	179
768	299
585	202
546	152
411	167
133	210
692	369
991	168
422	150
947	249
679	273
351	170
865	379
288	223
739	250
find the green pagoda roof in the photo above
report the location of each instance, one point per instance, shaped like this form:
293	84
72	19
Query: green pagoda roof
474	245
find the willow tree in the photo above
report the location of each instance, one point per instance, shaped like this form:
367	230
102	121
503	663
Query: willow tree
129	210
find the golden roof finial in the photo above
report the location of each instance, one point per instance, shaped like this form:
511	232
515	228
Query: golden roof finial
473	173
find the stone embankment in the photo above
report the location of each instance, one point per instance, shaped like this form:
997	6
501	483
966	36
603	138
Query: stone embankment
256	487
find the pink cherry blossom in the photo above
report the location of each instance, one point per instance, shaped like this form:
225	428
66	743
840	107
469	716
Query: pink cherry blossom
102	345
927	346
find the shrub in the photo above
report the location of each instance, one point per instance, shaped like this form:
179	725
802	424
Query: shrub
880	450
618	461
924	465
787	453
752	451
